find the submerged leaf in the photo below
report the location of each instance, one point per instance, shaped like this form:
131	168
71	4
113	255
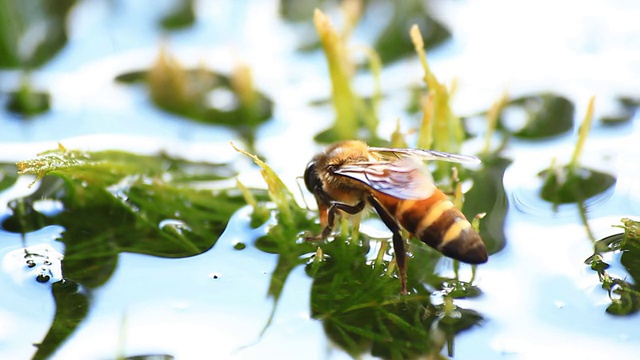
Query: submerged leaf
72	306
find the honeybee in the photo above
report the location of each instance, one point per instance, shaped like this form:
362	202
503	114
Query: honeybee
350	176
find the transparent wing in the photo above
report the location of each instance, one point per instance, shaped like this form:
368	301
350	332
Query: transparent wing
407	178
425	155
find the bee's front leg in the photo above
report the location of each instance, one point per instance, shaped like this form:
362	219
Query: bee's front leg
331	217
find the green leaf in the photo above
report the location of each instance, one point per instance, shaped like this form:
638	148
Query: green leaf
26	101
297	11
395	43
628	107
120	202
562	186
188	93
20	20
7	176
631	248
182	16
547	115
624	295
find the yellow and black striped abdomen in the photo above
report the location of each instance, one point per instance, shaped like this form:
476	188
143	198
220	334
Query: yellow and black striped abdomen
439	224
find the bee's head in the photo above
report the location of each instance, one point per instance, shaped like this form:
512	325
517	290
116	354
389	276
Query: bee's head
311	179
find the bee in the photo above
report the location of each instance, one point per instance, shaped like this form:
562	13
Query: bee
350	176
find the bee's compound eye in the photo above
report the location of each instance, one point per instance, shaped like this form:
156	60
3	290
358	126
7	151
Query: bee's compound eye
311	179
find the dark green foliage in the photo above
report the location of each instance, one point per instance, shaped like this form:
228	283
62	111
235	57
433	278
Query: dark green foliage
624	293
185	92
394	42
8	175
28	102
119	202
547	115
362	310
563	186
72	306
628	108
182	16
18	18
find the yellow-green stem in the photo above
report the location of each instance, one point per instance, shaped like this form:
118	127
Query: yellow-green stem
582	136
492	121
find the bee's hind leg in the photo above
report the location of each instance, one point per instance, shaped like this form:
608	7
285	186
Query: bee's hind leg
398	242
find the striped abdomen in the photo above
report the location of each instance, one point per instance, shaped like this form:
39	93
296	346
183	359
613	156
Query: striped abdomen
439	224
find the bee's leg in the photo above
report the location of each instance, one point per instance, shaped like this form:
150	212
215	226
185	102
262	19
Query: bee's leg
333	209
398	242
328	208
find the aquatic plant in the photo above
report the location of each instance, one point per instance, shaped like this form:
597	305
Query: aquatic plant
114	202
623	293
572	183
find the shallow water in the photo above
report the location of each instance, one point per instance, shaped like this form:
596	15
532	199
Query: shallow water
539	299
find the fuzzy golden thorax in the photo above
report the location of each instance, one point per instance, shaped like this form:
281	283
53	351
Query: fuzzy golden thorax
342	188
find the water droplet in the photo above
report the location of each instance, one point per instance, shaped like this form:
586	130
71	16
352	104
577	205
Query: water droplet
178	226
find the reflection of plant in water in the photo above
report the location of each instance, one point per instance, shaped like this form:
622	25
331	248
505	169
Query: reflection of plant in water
624	295
357	298
117	202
